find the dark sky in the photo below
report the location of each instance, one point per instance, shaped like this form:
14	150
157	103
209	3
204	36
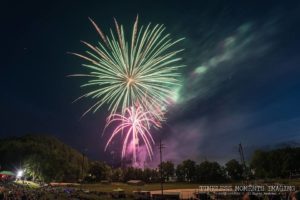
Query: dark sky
241	80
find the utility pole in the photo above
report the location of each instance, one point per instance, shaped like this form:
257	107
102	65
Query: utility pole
82	169
161	146
241	151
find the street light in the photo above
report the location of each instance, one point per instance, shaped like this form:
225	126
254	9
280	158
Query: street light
20	173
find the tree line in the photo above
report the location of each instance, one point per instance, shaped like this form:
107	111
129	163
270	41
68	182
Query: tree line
47	159
187	171
279	163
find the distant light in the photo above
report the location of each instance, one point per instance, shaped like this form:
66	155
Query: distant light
20	173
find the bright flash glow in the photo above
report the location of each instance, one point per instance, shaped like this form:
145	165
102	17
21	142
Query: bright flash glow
135	125
130	81
20	173
125	71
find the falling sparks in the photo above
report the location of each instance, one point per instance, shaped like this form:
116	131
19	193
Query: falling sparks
135	125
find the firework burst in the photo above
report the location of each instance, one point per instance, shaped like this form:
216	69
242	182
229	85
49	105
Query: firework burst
122	72
134	125
136	77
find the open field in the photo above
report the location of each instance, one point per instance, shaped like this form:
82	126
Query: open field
30	184
129	188
99	187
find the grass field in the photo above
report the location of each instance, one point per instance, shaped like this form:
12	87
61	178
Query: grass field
109	187
156	186
28	183
129	188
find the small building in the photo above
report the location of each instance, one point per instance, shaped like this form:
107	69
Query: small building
7	176
136	182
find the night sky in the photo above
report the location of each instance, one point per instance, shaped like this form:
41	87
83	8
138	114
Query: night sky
241	82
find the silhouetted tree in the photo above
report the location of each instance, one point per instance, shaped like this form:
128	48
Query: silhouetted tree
43	157
117	175
279	163
180	173
168	169
209	172
186	171
150	175
100	171
234	169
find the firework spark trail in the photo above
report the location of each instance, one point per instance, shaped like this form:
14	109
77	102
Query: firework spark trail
123	72
134	124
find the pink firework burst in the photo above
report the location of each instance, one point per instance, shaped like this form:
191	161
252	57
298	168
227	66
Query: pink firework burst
135	125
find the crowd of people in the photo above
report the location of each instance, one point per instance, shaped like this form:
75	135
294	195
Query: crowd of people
13	191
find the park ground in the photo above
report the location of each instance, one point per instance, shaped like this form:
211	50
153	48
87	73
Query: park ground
100	191
99	187
128	189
